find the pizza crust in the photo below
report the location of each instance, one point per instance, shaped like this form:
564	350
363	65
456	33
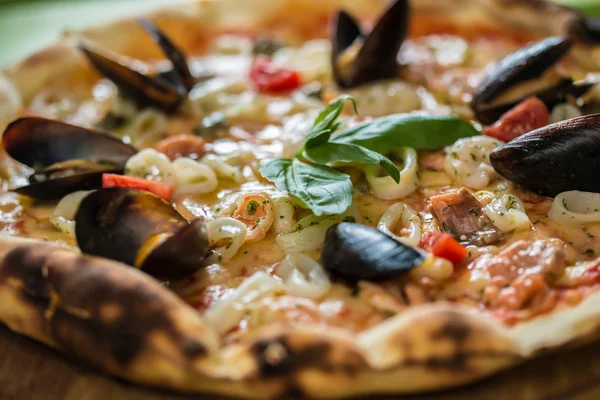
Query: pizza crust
123	322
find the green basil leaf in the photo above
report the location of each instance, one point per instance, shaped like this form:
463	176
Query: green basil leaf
350	153
320	188
324	124
417	131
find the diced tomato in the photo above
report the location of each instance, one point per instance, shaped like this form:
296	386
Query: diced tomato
269	77
526	116
443	245
160	189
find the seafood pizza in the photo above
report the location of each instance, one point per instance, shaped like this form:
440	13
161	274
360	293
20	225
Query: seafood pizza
306	198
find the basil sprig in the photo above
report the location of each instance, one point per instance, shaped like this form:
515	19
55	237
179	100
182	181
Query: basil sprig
320	150
420	132
326	191
318	187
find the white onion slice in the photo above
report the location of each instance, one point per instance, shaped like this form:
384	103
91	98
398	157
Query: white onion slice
433	267
222	169
308	234
193	177
385	187
468	161
146	127
63	217
508	213
229	310
575	208
409	219
284	213
303	276
221	229
151	165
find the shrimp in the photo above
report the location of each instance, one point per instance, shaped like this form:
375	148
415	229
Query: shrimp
256	211
183	145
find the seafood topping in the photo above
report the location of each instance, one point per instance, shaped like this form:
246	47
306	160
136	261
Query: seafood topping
165	90
357	58
554	159
521	274
142	230
354	251
65	157
522	74
461	215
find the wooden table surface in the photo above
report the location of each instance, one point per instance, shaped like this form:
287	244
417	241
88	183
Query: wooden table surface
31	371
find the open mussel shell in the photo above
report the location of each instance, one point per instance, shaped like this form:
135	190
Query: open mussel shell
165	90
65	157
354	251
142	230
585	28
525	64
180	74
560	92
145	90
376	58
553	159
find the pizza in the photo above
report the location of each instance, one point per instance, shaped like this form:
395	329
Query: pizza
306	198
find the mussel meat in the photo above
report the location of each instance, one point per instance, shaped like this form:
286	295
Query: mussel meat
354	251
65	157
518	76
165	90
357	58
553	159
142	230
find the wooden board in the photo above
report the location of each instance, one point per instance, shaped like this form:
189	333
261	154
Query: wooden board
31	371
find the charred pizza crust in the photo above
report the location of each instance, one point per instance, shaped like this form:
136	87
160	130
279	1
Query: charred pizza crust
123	322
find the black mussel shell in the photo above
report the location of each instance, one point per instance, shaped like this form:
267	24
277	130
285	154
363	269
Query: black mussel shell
354	251
377	57
188	246
58	188
560	92
40	143
585	28
145	90
65	157
553	159
142	230
165	91
180	73
524	64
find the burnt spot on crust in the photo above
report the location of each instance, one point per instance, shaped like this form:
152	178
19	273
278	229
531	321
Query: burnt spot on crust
95	309
193	348
143	314
276	357
454	329
24	264
292	392
457	331
284	358
83	338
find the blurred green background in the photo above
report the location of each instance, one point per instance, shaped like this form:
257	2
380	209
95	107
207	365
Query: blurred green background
27	25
